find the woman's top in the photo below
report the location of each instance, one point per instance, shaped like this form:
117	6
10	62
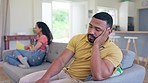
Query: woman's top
44	40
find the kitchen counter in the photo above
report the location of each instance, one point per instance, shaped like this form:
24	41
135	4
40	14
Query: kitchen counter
139	32
141	42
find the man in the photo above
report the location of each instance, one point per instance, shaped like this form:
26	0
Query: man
93	54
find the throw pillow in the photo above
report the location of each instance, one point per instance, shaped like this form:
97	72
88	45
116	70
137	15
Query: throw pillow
19	45
118	71
128	58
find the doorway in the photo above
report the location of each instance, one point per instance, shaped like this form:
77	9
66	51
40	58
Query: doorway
143	19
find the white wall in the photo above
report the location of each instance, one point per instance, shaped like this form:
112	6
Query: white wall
108	3
23	15
37	11
141	4
92	4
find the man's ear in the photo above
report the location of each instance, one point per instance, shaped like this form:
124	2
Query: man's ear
110	31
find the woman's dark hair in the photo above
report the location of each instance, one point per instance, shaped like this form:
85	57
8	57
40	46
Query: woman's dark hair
105	17
46	31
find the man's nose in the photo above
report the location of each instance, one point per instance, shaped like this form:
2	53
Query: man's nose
92	31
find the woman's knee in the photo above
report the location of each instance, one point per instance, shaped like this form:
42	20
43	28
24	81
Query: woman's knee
13	61
16	53
9	57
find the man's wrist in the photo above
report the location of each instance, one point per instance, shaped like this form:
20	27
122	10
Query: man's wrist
97	44
46	78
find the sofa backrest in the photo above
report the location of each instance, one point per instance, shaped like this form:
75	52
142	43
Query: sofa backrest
56	48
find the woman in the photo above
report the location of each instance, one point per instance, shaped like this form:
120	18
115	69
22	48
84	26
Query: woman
33	56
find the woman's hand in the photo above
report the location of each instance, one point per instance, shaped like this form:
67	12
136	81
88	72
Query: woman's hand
27	47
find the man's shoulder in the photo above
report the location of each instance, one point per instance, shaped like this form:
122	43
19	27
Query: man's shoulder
80	36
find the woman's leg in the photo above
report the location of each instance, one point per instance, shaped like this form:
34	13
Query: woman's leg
19	54
32	58
12	60
36	58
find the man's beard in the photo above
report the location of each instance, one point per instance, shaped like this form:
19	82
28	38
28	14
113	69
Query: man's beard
91	38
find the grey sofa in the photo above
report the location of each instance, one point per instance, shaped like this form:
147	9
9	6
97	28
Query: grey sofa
133	73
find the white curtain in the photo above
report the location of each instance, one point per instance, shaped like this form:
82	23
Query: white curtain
4	23
0	2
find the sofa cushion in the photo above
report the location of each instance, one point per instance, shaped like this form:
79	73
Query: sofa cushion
15	73
129	76
54	50
128	58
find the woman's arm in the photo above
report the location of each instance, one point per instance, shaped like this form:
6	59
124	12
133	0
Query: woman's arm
27	47
36	47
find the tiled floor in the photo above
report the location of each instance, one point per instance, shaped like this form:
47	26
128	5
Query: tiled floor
4	78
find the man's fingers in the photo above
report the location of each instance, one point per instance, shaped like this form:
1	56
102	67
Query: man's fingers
102	38
106	32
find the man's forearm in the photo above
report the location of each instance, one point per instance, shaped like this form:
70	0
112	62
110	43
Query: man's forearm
56	66
99	68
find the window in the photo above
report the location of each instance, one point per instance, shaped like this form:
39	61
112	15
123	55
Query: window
60	20
65	18
56	16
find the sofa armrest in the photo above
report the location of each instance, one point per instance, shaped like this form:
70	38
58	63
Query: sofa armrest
134	74
6	53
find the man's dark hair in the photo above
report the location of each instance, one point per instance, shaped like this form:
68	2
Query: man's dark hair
105	17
